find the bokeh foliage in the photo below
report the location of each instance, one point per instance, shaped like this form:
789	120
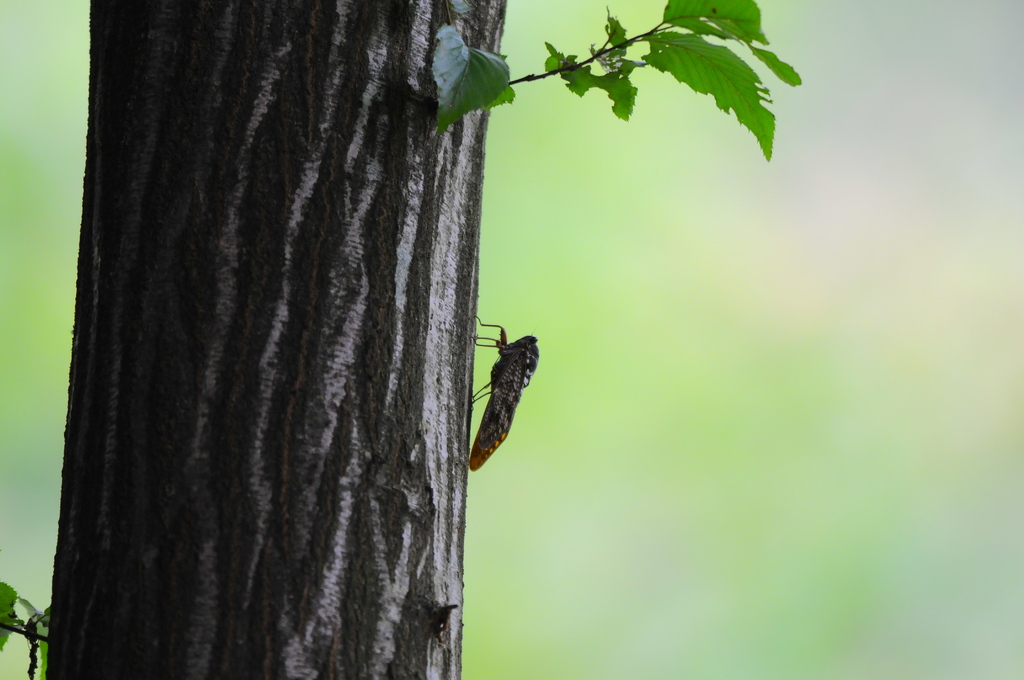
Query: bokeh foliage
776	427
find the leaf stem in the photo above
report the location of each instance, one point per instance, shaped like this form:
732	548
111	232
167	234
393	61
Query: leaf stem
28	634
597	55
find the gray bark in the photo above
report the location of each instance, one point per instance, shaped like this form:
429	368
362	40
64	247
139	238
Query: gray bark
265	464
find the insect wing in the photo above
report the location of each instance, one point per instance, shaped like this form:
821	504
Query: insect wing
524	349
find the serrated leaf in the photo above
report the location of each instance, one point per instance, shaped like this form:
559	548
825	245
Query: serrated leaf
8	596
555	58
781	69
739	18
461	7
715	70
616	33
611	60
507	96
579	81
467	78
617	85
620	90
740	31
700	27
627	66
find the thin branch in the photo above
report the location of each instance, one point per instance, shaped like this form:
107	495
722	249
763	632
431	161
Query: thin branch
597	55
28	634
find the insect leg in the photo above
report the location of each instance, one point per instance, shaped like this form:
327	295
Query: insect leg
480	394
497	343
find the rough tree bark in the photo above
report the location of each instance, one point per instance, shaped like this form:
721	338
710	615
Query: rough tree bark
265	467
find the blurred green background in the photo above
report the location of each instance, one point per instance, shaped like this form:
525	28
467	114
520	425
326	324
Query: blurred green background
776	431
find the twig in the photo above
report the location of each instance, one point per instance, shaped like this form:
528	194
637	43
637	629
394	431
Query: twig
30	635
597	55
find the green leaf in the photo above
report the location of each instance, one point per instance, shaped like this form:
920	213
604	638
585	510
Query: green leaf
616	33
611	60
467	78
579	81
712	69
738	18
700	27
29	607
555	59
740	31
8	596
461	7
784	71
628	66
507	96
620	90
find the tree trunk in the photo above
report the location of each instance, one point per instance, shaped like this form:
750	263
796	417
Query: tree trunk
265	467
